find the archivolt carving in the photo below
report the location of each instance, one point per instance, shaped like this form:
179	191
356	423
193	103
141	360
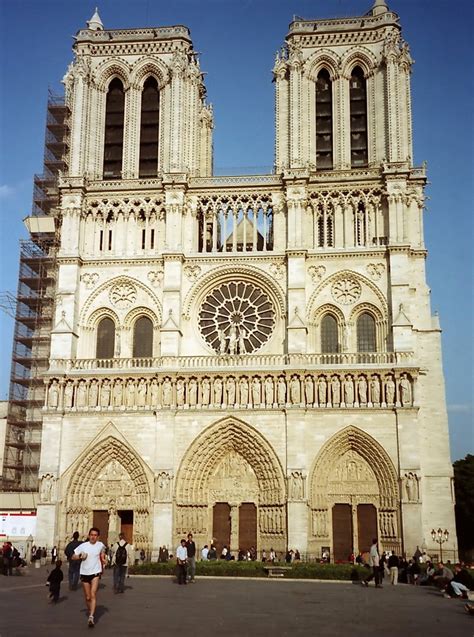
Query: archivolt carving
325	58
366	307
120	280
327	308
109	474
315	298
206	454
109	69
358	56
99	314
221	275
150	66
376	470
134	314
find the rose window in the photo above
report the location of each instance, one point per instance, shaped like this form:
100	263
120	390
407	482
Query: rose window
236	318
346	291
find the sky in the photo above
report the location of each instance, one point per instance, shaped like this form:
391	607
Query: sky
237	40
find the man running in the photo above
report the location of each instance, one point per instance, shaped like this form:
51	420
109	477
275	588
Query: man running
93	559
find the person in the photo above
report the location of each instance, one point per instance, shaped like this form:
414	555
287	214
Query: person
264	555
393	568
121	560
224	553
442	576
54	579
205	553
374	563
7	555
92	557
212	555
74	565
54	554
182	562
417	554
426	579
191	548
461	583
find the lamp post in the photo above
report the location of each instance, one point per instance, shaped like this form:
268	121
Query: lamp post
440	537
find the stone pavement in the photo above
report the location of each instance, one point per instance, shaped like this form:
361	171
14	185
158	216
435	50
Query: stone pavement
230	607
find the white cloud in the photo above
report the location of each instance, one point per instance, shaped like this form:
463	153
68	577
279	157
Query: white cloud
460	408
5	191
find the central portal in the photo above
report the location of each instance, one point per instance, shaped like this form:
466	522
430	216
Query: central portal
221	526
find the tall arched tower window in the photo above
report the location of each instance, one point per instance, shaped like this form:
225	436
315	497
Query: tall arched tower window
105	338
366	333
114	120
143	338
358	108
149	126
329	335
323	121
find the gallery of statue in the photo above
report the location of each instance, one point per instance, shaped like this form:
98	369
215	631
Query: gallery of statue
251	358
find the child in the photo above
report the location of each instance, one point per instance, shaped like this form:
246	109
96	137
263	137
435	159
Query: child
55	578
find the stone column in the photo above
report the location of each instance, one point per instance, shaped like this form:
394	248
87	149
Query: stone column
234	527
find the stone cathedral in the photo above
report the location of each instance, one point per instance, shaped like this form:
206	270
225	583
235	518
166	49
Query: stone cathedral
250	358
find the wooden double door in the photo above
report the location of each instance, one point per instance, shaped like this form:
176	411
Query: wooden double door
223	533
100	519
344	523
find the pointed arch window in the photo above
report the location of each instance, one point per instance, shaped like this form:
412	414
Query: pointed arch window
149	129
329	335
366	333
105	338
114	123
143	338
358	110
323	121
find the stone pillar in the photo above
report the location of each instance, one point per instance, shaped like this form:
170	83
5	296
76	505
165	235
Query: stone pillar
162	528
298	525
234	527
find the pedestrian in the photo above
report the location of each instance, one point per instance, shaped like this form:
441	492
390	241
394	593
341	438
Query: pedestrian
7	555
393	568
74	565
92	556
204	553
54	554
122	558
212	554
55	578
374	563
182	562
191	548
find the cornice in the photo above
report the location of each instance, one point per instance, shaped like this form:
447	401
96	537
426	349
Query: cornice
246	258
345	254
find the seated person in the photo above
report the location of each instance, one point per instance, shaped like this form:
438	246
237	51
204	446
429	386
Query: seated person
461	583
442	576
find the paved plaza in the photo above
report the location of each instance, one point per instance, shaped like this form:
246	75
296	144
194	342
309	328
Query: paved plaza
228	607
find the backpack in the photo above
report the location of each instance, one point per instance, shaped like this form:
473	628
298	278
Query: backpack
121	555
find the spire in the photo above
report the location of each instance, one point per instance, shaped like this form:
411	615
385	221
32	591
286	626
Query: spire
380	6
95	23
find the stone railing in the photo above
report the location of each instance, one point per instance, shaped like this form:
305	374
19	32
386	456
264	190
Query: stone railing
247	361
244	390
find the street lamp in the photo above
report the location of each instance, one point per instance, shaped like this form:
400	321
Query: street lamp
440	537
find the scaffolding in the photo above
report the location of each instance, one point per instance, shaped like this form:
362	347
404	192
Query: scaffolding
34	314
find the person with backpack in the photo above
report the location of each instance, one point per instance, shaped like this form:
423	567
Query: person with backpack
74	565
121	561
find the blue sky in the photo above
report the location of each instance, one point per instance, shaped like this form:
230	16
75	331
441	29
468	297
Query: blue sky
237	41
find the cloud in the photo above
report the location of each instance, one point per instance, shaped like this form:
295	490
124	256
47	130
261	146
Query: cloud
460	408
5	191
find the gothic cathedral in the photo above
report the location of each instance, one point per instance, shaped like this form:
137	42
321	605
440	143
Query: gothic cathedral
249	358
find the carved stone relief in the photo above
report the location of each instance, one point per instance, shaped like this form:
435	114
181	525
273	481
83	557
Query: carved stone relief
316	272
123	295
346	291
90	279
234	480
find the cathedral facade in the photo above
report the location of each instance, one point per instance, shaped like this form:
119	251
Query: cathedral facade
249	358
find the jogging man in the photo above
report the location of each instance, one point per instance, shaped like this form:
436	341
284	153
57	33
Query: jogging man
93	560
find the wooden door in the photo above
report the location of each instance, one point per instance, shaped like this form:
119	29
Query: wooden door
221	526
100	519
366	526
126	525
341	532
247	526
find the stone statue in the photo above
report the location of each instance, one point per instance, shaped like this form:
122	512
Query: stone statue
295	390
296	487
405	391
281	391
167	392
163	484
180	392
206	391
322	390
375	390
192	392
222	341
105	393
256	398
68	394
81	395
362	390
53	395
230	387
309	390
233	340
336	390
141	393
244	391
242	337
411	486
117	395
390	390
93	393
218	392
348	390
269	391
46	489
154	392
130	393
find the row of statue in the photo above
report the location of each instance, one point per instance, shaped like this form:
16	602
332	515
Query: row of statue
258	391
319	523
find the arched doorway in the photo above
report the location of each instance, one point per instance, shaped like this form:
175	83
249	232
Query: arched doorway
230	490
109	488
354	496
